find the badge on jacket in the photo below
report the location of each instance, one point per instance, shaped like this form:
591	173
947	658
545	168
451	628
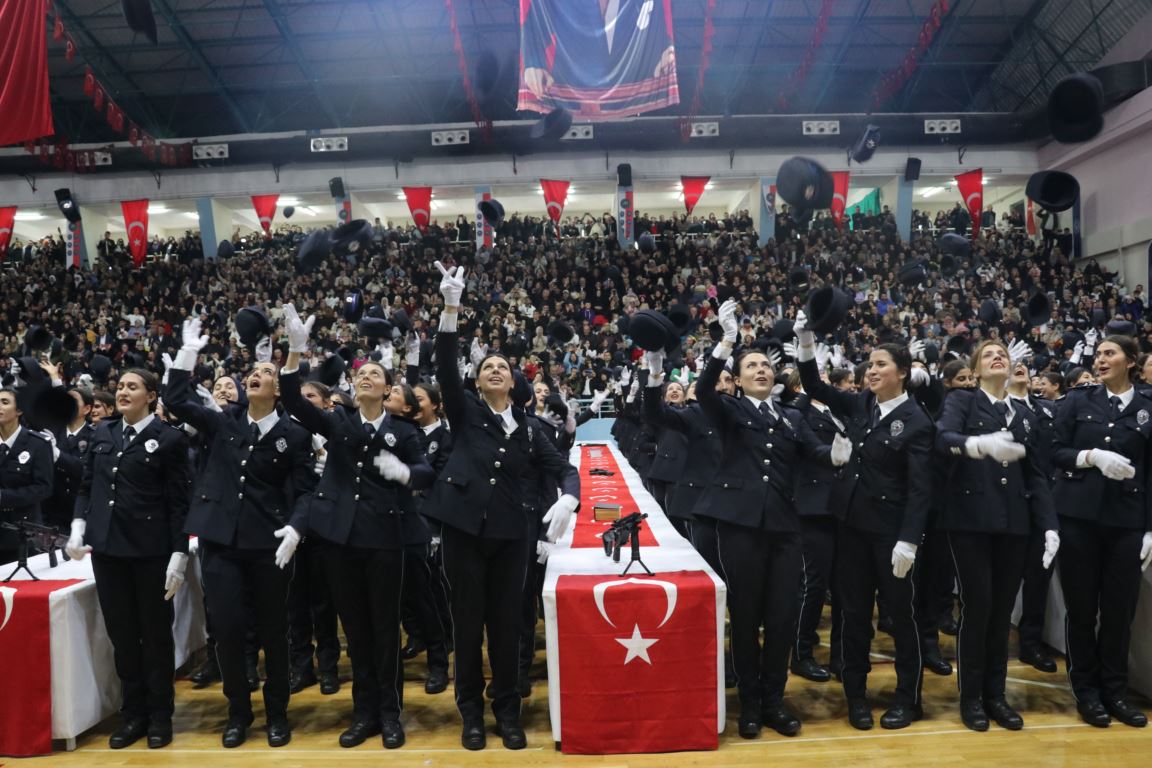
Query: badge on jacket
433	447
1142	417
390	439
281	445
151	446
897	428
23	457
82	446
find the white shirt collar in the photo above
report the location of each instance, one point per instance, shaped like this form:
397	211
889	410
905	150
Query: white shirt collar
1125	397
429	429
11	441
506	419
1006	400
375	423
141	425
265	423
68	431
756	404
890	405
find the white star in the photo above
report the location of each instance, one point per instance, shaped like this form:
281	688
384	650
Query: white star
637	646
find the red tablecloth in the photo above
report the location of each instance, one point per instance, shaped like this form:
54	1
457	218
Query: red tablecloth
26	667
603	489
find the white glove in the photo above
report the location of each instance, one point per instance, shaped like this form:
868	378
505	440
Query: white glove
298	331
918	377
386	354
773	358
633	389
174	576
598	400
168	363
916	350
1090	341
287	548
790	350
655	362
1146	551
412	350
51	438
903	556
1051	547
841	450
543	550
264	350
552	418
191	336
193	545
804	337
1112	465
625	377
451	284
823	356
392	468
684	377
728	322
1019	351
559	515
1077	353
477	353
76	548
207	399
837	356
999	446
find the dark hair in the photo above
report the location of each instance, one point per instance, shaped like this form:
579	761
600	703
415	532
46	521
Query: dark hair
1130	349
739	359
387	373
838	376
150	380
11	391
485	359
952	369
105	398
411	404
321	389
85	395
858	373
433	393
1054	377
900	356
1073	375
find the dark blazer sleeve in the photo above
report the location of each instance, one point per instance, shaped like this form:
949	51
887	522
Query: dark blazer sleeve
841	403
556	466
313	419
39	487
658	414
711	401
448	376
421	474
179	399
917	454
811	446
84	488
177	487
1063	453
950	431
71	465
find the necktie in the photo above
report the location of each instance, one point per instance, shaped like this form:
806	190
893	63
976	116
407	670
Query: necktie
255	432
1001	408
766	412
371	430
129	433
3	451
875	415
1115	405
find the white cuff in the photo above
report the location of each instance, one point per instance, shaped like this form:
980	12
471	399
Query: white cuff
972	448
185	359
804	353
449	321
286	371
655	380
722	351
1082	460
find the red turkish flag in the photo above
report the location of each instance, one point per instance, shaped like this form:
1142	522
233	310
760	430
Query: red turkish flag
98	97
265	206
639	668
555	196
971	188
420	204
133	133
839	196
7	221
693	189
1029	219
89	82
136	222
70	49
24	101
58	29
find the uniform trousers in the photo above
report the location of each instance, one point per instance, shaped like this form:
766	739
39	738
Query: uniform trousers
935	583
1100	575
1034	602
533	587
139	624
660	490
311	613
368	585
763	570
863	566
228	574
485	580
989	567
818	538
422	619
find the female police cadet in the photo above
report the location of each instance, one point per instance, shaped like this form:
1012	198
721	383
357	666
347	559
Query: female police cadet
130	507
242	511
1101	456
887	489
756	526
479	499
26	473
671	452
996	492
373	463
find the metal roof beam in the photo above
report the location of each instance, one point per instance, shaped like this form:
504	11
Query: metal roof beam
278	17
845	44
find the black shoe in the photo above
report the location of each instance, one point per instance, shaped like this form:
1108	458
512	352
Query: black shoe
1038	658
750	722
473	736
437	681
1093	713
329	683
950	626
298	681
524	685
810	670
860	714
779	719
901	716
1006	717
1126	713
412	649
279	732
973	714
393	734
129	733
358	733
159	734
208	673
884	624
512	733
933	662
235	734
253	676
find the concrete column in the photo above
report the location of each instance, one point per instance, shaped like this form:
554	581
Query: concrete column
902	209
93	224
215	224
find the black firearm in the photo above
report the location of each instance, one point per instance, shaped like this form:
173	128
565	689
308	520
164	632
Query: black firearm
620	533
45	538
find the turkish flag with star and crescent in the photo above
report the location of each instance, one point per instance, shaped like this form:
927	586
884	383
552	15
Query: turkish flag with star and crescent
420	204
265	206
555	196
136	222
971	188
7	221
638	663
839	197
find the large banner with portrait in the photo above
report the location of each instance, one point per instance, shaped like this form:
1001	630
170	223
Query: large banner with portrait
598	59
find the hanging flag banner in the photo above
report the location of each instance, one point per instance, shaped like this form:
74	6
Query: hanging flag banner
74	250
625	217
265	206
24	100
767	210
1029	219
484	230
555	196
971	188
693	190
136	223
343	208
839	196
598	60
7	222
420	204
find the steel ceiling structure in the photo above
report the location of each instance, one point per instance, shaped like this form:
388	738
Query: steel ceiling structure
226	67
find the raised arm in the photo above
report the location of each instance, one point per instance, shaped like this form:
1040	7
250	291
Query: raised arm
315	420
841	403
447	341
178	395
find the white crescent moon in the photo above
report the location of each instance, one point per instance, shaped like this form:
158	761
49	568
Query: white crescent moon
968	200
137	224
418	212
558	207
8	594
668	587
840	197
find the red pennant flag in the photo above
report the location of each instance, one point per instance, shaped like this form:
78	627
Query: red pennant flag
89	82
133	133
70	49
110	114
186	154
7	221
136	222
420	204
265	206
58	29
971	188
693	189
1029	219
839	196
98	96
555	196
25	106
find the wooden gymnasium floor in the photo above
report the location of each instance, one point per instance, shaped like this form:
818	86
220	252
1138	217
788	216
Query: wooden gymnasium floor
1053	734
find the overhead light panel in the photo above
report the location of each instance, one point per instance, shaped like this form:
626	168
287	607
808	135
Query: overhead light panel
449	138
29	216
929	191
157	209
330	144
936	127
704	130
821	127
578	133
211	152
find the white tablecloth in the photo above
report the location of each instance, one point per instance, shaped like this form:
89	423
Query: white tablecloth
85	688
673	553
